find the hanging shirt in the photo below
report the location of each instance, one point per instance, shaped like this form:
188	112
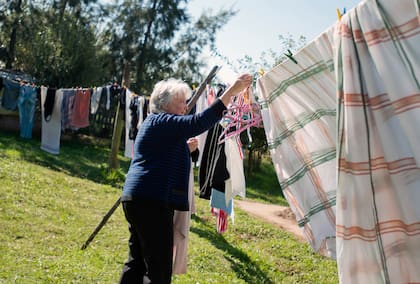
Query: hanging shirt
9	100
80	112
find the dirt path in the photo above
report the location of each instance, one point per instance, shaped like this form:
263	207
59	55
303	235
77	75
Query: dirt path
280	216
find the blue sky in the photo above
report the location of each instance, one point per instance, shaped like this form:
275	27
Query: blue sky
258	24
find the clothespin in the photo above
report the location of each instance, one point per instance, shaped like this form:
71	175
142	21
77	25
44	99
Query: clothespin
338	14
261	72
193	87
290	56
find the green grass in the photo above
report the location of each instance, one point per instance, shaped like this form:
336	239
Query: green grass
263	185
49	205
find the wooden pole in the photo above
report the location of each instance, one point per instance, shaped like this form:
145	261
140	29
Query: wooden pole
119	123
101	224
201	88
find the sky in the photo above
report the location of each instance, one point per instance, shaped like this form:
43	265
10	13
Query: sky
257	25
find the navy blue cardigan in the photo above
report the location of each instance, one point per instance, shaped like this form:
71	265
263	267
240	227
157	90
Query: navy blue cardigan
160	168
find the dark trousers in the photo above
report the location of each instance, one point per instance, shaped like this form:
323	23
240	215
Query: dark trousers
150	244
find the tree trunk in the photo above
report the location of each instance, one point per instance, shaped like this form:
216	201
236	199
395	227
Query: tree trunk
141	60
250	162
12	43
62	10
119	123
258	160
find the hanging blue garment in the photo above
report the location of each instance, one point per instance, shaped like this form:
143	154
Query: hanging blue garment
218	200
26	104
10	96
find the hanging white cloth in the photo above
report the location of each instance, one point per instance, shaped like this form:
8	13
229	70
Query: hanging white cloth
235	185
129	144
95	99
51	130
182	220
298	108
377	60
201	105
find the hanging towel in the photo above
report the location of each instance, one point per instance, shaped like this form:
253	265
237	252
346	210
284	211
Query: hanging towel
80	113
377	60
51	130
299	114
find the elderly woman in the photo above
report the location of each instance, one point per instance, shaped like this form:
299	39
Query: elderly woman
157	180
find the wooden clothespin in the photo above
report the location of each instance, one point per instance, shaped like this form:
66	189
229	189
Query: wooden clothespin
339	14
290	56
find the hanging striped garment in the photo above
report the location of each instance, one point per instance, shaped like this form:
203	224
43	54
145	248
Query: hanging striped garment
299	114
368	63
377	64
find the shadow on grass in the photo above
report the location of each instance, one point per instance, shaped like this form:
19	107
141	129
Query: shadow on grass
244	267
77	158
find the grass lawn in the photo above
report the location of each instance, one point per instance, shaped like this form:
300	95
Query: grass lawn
49	205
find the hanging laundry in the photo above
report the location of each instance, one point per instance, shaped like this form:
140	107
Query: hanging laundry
370	61
9	100
49	104
222	219
182	221
377	60
218	201
134	116
67	108
212	172
51	129
26	105
108	97
235	185
298	108
95	99
80	111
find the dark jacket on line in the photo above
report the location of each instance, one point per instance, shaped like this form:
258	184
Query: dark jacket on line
160	168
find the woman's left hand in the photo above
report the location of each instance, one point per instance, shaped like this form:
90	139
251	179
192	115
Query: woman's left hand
192	144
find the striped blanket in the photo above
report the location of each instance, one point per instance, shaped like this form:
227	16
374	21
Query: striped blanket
343	126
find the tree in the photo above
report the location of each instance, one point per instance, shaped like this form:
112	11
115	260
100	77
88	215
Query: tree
159	40
10	22
186	62
60	52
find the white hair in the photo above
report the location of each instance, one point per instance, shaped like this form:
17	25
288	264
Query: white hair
164	92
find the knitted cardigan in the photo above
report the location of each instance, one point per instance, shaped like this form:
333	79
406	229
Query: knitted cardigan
159	170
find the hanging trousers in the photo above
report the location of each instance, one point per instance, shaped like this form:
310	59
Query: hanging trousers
26	104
